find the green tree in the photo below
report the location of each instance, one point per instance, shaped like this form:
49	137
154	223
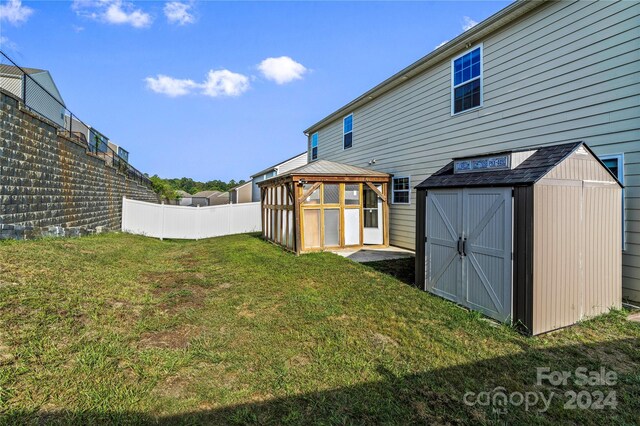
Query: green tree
191	186
163	188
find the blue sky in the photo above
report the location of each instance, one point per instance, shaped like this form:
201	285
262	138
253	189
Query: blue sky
220	90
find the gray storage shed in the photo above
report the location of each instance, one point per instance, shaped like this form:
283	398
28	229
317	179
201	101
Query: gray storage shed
531	236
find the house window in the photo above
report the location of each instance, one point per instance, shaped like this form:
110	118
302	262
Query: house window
314	146
615	163
347	138
466	73
401	190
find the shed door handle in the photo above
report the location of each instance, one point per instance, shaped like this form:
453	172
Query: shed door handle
464	247
460	247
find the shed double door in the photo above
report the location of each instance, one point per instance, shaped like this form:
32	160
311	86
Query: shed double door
468	248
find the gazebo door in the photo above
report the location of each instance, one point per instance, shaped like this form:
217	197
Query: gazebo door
372	212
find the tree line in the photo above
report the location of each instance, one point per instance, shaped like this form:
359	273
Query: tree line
168	187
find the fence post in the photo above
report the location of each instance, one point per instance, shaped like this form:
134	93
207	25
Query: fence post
124	209
162	222
198	222
24	89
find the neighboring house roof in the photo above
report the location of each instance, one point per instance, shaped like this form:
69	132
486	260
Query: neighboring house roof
206	194
240	186
11	70
275	166
183	194
222	198
458	44
531	170
15	71
331	168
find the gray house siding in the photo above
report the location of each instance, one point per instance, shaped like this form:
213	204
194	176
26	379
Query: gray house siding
40	101
49	106
255	190
292	163
566	71
12	84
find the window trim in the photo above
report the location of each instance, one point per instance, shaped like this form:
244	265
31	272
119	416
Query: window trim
620	158
408	190
481	78
316	146
345	133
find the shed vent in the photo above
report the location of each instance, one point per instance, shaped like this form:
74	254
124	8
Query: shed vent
506	161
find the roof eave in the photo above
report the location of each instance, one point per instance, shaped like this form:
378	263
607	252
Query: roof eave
263	172
323	177
272	168
461	42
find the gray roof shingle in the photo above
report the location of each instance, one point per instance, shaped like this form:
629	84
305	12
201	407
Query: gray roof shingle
330	168
527	173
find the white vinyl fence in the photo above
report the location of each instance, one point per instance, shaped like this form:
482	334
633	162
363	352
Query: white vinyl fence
192	223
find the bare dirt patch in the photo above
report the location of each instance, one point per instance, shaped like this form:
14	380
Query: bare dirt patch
343	317
176	279
383	340
6	357
79	318
244	311
299	361
174	387
179	290
177	338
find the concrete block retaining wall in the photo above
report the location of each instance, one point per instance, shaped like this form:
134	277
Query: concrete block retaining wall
50	185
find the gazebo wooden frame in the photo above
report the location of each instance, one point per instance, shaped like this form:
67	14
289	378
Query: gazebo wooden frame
285	199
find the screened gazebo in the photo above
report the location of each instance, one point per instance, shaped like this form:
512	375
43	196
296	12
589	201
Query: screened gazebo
326	206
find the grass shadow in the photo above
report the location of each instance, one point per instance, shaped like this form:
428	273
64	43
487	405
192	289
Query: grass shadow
402	269
438	396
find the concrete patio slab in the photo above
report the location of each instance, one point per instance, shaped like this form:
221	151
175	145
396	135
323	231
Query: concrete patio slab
374	255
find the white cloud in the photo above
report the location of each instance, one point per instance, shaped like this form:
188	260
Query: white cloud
14	12
115	12
119	13
468	23
282	70
178	13
218	83
5	43
225	83
170	86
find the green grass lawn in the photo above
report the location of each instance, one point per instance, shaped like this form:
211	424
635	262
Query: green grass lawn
124	329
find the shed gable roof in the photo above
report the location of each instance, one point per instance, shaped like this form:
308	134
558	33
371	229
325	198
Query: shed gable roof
528	172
